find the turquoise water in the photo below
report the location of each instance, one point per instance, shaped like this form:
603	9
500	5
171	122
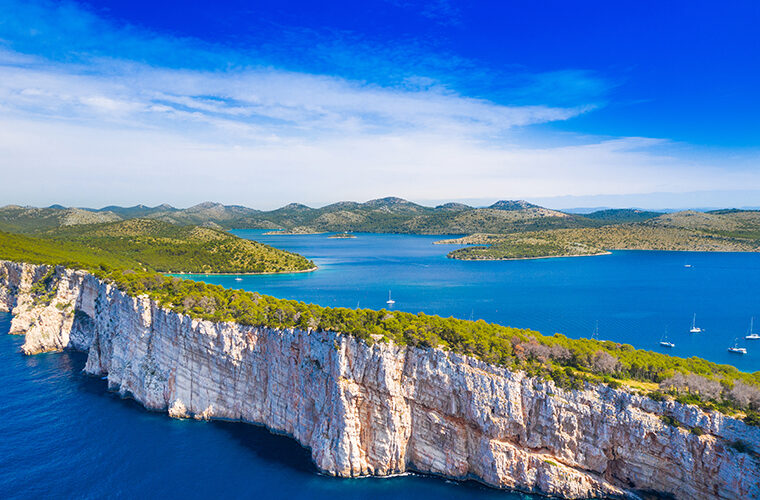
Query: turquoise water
63	435
635	296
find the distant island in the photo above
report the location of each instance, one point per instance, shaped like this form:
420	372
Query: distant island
342	236
719	231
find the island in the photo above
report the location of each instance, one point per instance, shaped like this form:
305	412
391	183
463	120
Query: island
720	231
342	236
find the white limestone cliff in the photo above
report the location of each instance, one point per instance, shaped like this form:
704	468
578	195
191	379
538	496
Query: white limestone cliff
385	409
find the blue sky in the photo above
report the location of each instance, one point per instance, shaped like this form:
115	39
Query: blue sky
263	103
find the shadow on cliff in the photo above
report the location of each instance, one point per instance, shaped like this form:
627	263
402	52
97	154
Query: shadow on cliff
273	448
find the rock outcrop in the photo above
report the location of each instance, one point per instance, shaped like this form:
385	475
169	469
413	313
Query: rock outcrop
385	409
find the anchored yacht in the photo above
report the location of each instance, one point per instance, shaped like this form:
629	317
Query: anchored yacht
694	327
736	349
752	335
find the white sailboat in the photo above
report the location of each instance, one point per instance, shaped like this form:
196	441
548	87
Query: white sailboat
736	349
390	301
752	335
664	342
694	327
238	279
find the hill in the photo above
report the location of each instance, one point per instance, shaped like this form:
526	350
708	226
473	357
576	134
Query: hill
14	218
395	215
622	215
167	247
384	215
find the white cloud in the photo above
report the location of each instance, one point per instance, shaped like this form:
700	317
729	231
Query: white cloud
284	102
116	132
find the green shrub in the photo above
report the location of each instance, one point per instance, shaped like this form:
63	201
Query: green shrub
668	420
752	418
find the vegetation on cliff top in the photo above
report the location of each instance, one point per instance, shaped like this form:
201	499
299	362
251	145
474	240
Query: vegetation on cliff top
569	362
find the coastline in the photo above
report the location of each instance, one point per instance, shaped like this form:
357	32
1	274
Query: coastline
606	252
312	269
290	233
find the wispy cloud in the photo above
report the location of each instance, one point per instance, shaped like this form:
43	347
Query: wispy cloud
269	101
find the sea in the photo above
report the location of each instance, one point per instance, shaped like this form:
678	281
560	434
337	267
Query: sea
64	435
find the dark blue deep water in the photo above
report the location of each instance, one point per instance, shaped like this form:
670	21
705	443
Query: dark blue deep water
63	435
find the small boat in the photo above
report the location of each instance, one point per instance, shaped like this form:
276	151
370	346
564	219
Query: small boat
238	279
694	327
736	349
752	335
390	301
665	343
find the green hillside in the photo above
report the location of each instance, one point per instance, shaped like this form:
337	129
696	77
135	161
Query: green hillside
171	248
621	215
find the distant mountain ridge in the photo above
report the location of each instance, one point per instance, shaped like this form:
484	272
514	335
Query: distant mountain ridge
384	215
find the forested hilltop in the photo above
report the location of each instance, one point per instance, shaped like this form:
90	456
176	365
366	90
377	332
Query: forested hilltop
570	363
152	245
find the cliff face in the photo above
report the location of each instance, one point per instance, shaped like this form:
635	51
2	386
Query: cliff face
384	409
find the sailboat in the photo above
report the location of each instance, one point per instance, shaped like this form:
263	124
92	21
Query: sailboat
595	335
752	335
736	349
664	341
238	279
390	301
694	327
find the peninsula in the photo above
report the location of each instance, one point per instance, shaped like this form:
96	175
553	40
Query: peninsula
399	405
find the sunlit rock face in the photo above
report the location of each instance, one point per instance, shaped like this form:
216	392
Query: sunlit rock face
385	409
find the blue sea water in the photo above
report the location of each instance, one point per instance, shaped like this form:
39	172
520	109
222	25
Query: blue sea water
63	435
636	297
